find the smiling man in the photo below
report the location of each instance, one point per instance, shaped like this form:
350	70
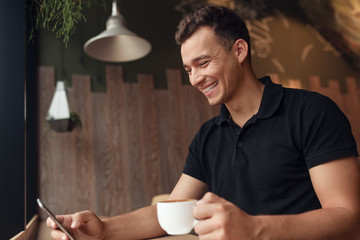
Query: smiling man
273	155
277	163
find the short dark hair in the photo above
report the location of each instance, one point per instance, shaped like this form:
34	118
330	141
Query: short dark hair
227	25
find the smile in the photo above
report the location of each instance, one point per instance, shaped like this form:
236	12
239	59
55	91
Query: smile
209	88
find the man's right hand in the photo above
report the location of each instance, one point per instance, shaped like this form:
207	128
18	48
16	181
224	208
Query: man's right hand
82	225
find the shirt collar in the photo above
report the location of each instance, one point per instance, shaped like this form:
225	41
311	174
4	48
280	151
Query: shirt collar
270	101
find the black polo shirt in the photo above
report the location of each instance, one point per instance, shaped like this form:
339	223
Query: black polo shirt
263	167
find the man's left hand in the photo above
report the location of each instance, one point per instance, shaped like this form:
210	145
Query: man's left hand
221	219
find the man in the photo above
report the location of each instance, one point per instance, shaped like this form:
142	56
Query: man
276	163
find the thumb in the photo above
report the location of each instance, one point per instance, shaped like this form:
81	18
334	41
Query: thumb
210	198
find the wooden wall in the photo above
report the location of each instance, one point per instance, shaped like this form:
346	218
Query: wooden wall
133	141
132	145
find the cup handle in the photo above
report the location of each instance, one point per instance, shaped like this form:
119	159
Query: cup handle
195	222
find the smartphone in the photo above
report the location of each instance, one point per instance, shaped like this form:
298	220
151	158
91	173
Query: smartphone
52	216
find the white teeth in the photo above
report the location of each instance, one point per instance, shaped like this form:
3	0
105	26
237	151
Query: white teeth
209	88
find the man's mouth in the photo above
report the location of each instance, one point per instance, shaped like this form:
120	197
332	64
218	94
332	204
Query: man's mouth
209	88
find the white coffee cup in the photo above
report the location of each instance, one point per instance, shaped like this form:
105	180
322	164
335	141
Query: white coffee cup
176	216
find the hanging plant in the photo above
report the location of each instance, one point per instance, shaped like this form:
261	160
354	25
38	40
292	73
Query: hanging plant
59	16
65	124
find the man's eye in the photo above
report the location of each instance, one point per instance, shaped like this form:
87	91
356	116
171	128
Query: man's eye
188	71
203	63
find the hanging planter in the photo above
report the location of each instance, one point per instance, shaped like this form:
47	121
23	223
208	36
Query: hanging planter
65	125
60	17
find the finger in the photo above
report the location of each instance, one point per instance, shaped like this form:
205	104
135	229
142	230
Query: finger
209	198
75	220
209	210
208	235
203	211
67	220
51	223
205	199
58	235
211	228
205	226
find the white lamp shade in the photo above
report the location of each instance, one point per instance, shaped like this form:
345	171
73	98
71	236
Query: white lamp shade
117	43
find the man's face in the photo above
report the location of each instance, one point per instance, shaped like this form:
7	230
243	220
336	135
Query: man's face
212	70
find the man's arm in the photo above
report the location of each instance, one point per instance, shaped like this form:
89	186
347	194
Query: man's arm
139	224
337	185
143	223
188	187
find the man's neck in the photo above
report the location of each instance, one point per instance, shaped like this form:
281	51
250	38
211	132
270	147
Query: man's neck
247	101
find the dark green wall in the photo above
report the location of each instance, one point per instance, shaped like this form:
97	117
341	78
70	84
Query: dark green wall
153	20
289	31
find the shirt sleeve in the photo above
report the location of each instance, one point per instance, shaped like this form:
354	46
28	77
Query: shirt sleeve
193	165
326	132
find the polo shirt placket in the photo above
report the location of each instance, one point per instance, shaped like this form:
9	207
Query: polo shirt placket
240	140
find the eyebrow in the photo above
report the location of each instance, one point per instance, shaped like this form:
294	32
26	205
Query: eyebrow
197	59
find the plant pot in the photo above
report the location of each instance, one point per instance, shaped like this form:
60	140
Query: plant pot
61	125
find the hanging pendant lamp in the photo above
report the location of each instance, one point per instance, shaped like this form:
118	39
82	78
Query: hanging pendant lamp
117	43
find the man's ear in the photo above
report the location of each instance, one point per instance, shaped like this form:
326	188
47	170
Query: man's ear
241	49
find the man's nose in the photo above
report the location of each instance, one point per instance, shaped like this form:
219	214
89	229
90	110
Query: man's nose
196	77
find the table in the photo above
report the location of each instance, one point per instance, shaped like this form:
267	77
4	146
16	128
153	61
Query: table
44	234
180	237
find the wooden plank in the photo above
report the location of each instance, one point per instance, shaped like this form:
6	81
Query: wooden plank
177	141
48	170
149	136
45	83
275	77
117	100
114	182
314	83
354	94
83	166
214	110
198	110
62	159
195	112
134	143
103	174
168	178
203	108
353	106
335	94
30	230
293	83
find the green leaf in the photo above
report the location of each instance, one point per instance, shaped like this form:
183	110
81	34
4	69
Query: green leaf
59	16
